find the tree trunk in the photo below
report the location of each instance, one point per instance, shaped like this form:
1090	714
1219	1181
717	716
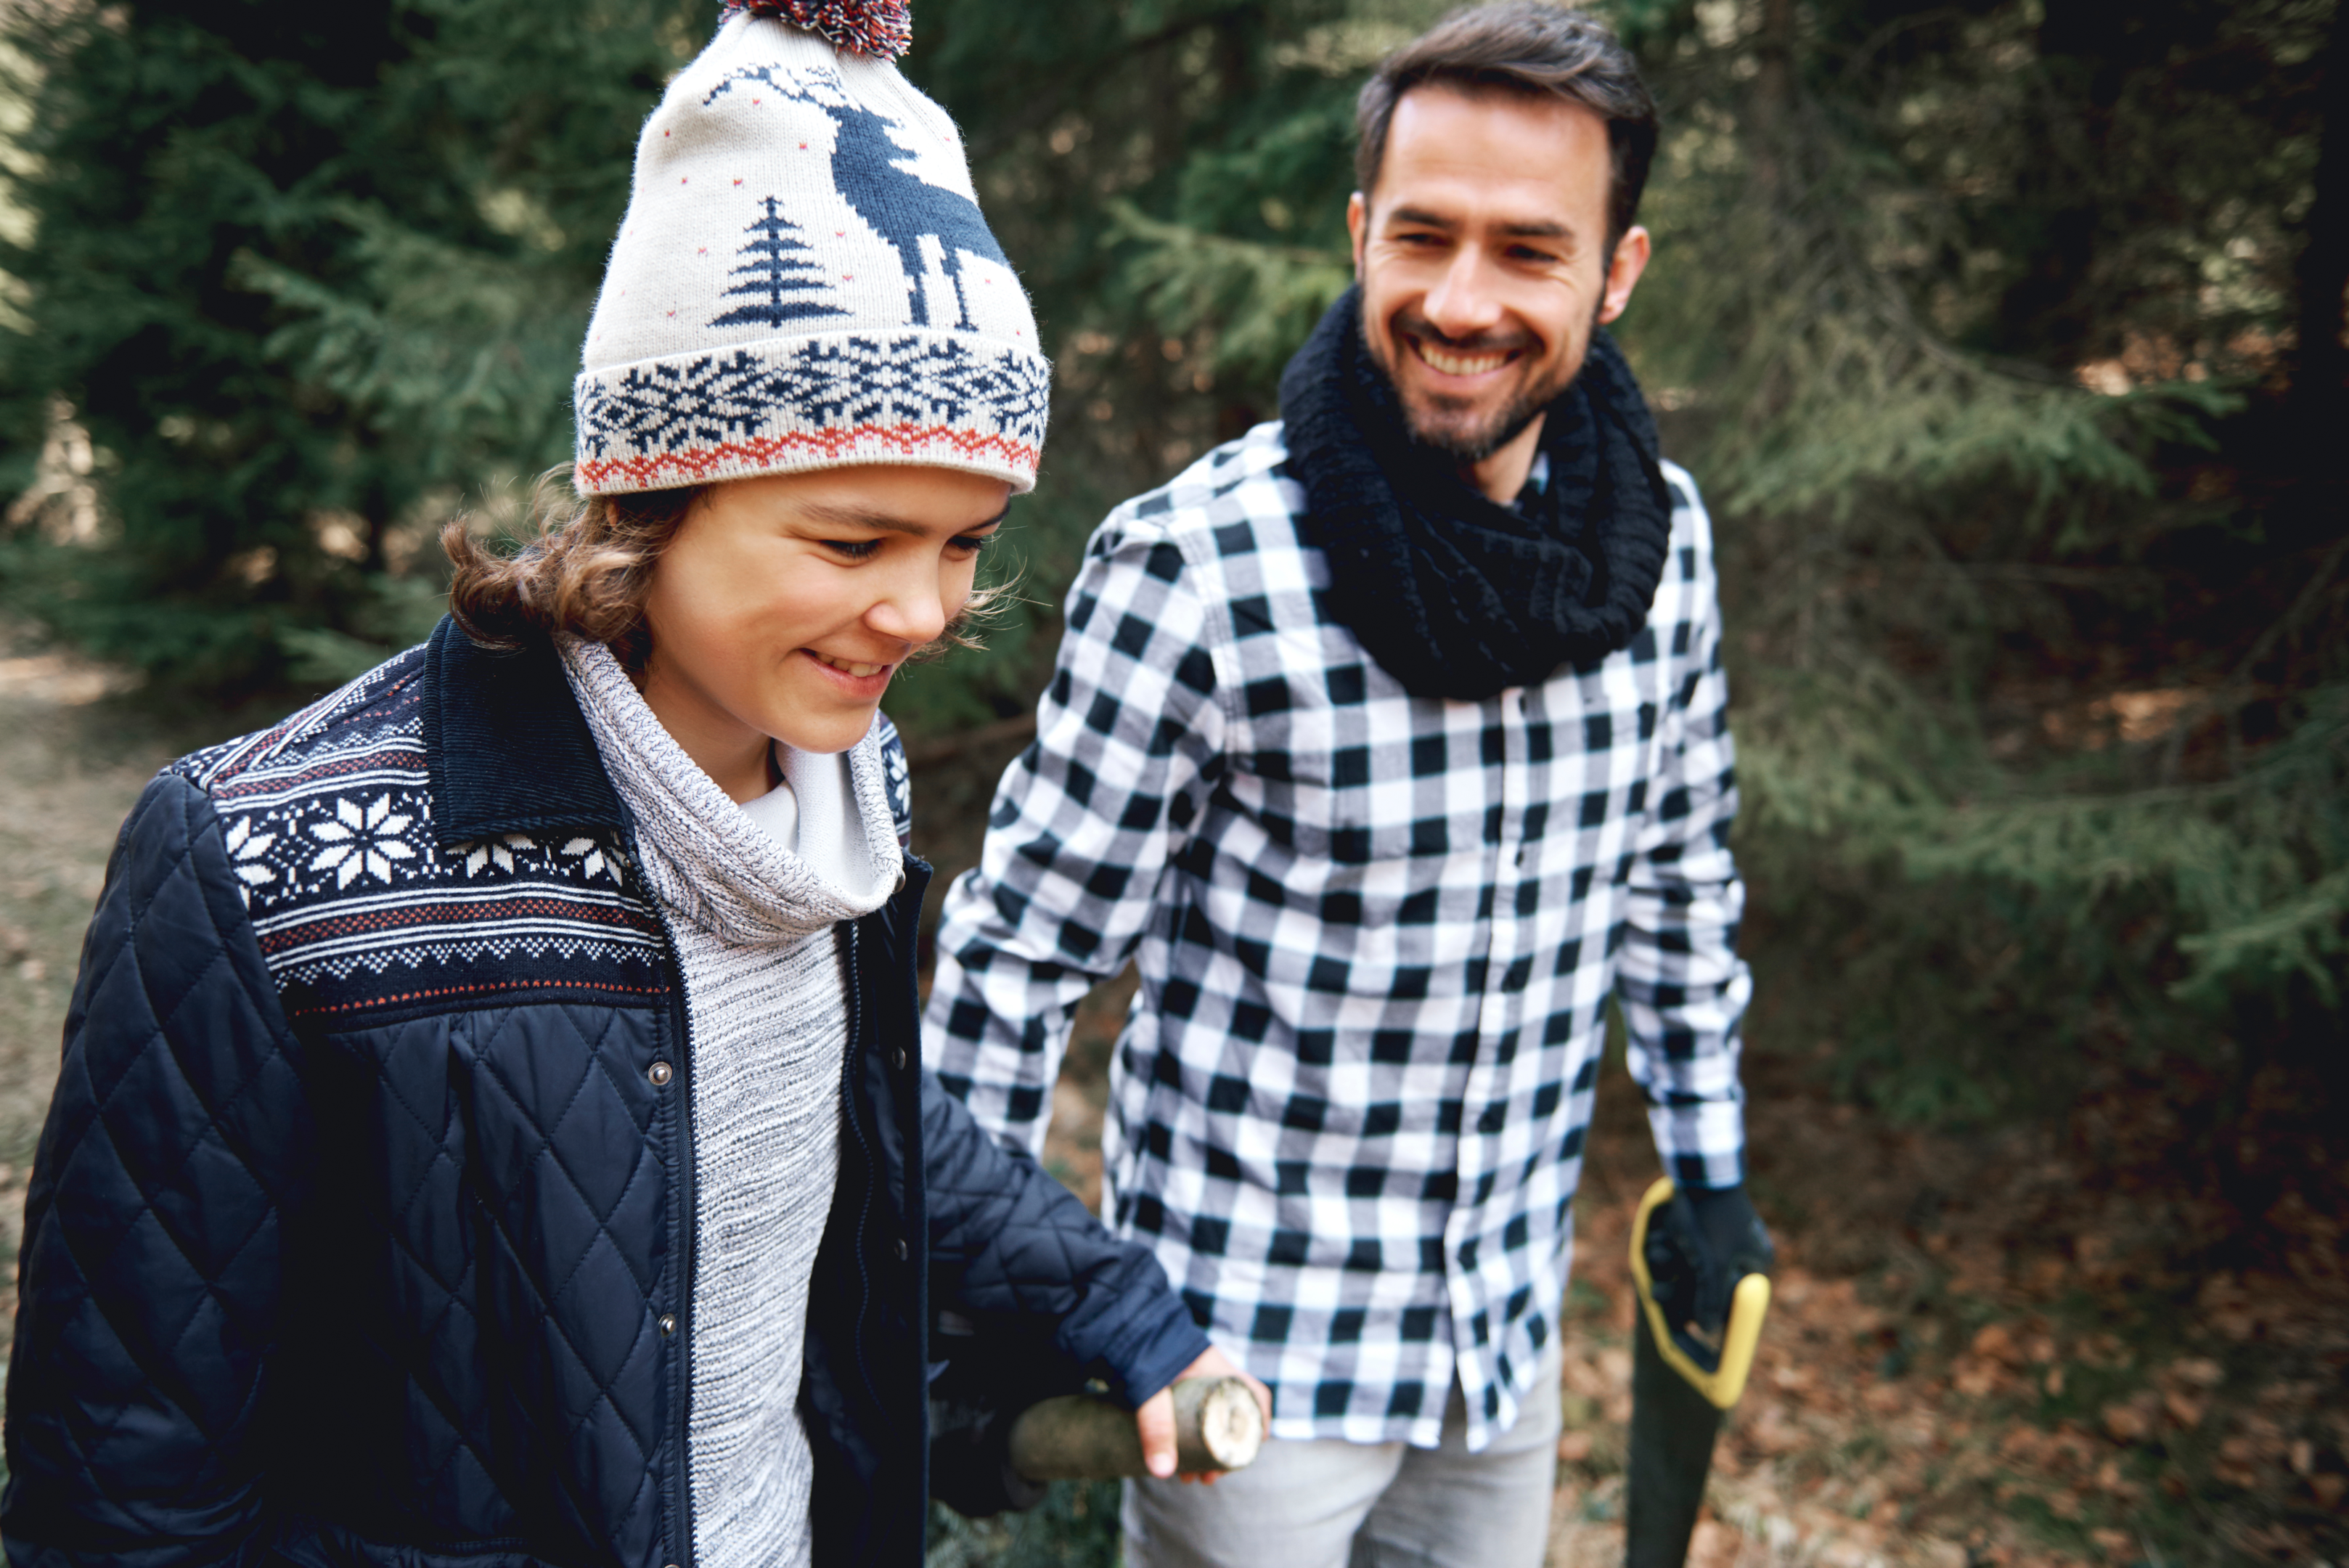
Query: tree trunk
2320	362
2051	312
1219	1426
1773	98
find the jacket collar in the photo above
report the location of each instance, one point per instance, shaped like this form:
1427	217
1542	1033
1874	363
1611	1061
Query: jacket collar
507	746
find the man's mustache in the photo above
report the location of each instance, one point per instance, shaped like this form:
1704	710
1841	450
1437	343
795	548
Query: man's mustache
1483	343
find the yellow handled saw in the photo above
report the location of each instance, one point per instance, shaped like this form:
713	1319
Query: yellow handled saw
1704	1289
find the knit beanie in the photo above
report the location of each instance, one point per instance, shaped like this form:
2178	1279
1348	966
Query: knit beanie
803	279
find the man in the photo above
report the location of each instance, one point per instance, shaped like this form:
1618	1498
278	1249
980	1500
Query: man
1390	740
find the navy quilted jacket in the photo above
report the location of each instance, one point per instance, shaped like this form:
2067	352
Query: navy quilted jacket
360	1229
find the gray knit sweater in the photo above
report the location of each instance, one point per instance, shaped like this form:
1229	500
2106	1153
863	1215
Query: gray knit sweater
755	928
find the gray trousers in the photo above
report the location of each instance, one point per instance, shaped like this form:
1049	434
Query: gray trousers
1334	1504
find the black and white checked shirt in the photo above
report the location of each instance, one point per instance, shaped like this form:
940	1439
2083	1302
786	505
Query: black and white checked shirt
1376	936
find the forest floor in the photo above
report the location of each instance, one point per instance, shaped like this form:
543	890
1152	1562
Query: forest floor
2080	1343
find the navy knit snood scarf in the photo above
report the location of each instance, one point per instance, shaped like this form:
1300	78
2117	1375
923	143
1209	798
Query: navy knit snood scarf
1455	596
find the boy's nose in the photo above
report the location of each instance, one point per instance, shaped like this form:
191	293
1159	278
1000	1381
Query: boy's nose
911	608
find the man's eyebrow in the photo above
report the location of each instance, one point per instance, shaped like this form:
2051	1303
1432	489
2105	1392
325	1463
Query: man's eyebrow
1421	217
831	514
1526	229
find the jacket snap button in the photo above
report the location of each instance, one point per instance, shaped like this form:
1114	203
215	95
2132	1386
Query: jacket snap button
901	1249
897	1059
668	1323
660	1074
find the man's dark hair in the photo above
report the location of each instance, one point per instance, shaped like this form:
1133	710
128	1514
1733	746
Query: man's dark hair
1529	47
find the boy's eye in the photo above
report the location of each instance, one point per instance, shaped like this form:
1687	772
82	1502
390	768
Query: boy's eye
854	549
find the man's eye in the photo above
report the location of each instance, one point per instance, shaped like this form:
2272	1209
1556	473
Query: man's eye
854	549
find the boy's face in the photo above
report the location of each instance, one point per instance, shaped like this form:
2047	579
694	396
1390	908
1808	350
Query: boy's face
785	603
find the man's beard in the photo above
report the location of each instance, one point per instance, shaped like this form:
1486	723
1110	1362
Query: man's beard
1477	443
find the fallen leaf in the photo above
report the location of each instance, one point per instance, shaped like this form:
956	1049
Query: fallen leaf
1977	1378
2130	1421
2200	1371
1714	1545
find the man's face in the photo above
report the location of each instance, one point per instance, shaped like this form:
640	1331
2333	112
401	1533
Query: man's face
1483	259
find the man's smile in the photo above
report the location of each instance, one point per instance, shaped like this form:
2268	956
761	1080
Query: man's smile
1450	362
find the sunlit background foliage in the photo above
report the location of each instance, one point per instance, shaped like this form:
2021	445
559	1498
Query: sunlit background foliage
2003	335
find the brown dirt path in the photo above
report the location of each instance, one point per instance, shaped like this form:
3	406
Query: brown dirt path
73	758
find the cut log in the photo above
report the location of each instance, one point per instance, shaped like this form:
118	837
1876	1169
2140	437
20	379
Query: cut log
1083	1437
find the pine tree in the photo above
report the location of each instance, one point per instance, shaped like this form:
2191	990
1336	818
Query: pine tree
773	267
308	279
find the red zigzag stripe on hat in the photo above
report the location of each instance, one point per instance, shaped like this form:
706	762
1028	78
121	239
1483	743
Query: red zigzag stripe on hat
669	469
882	28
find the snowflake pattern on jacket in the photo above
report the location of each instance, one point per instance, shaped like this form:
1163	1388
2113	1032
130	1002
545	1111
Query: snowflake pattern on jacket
358	908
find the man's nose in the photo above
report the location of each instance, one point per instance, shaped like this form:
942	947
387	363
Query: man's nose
1463	303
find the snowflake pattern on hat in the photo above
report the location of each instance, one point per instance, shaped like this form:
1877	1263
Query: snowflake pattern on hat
810	402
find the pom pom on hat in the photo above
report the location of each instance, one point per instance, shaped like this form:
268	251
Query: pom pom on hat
881	28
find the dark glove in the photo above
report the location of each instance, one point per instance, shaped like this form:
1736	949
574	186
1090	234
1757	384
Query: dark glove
986	1376
1698	1246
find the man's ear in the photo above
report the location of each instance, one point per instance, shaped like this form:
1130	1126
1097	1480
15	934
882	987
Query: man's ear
1623	270
1358	224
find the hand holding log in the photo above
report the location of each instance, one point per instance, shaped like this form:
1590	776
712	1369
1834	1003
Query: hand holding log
1082	1436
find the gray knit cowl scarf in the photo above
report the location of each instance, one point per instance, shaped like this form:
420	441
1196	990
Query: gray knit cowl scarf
1455	596
707	861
